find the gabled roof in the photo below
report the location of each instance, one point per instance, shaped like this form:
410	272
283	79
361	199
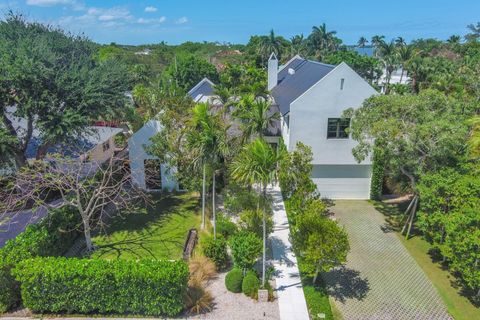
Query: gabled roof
295	77
203	89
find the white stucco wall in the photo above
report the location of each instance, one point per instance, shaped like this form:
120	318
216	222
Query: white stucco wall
137	156
309	115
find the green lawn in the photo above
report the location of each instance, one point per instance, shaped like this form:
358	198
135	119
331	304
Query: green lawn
157	232
458	306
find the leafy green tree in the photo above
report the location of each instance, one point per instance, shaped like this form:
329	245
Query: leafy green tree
416	133
246	248
474	34
251	220
320	243
257	164
187	70
298	45
255	116
56	83
367	67
389	58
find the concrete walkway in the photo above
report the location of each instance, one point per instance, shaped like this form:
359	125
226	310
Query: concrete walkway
291	300
381	280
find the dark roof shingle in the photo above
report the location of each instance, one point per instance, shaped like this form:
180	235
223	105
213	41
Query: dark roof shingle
291	86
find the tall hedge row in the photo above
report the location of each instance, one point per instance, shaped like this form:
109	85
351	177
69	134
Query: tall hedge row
50	237
146	287
378	169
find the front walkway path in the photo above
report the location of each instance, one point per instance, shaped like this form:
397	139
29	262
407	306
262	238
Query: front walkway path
291	300
380	280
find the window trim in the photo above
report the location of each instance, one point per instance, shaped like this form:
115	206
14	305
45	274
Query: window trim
338	129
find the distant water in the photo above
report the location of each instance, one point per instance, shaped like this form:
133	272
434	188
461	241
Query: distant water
366	51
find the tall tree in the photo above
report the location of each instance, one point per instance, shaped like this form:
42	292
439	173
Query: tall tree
257	164
362	42
323	41
94	189
256	118
474	34
415	133
405	53
54	81
187	70
389	57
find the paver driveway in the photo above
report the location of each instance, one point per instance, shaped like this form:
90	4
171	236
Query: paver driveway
380	280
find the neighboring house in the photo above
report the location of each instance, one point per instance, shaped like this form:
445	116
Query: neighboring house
397	77
96	144
311	97
147	171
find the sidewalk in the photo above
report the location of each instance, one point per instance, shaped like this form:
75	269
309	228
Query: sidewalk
291	300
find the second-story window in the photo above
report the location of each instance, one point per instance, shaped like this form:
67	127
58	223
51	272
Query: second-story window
337	128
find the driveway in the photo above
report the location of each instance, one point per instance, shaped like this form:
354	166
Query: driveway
380	280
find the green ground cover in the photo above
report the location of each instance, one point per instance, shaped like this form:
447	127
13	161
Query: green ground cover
156	232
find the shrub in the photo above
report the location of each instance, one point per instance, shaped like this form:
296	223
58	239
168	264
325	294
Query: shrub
378	167
238	199
225	226
198	299
252	220
217	251
145	287
233	280
201	270
246	248
250	285
50	237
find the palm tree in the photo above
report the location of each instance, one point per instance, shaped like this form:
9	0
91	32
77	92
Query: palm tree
454	39
362	42
389	58
297	45
405	53
376	42
207	138
322	41
269	44
257	164
256	118
400	42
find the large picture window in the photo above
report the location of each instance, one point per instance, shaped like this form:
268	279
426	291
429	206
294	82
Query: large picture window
337	128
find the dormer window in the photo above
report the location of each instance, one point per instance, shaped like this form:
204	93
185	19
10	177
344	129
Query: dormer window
337	128
342	82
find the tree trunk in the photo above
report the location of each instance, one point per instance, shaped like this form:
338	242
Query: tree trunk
42	150
401	76
317	272
20	159
264	238
213	208
414	210
86	232
203	197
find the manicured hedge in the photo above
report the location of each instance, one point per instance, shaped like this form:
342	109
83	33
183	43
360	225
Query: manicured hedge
217	251
233	280
378	168
250	285
85	286
50	237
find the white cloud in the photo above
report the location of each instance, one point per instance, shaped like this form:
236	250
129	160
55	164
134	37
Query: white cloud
48	3
151	21
181	20
110	14
150	9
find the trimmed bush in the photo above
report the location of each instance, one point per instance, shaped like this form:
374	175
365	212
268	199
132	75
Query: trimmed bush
147	287
233	280
225	226
252	220
378	168
246	247
50	237
217	251
250	285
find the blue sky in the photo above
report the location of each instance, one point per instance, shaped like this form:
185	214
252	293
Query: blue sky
149	21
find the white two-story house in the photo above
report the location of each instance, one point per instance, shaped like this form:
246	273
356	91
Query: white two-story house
311	97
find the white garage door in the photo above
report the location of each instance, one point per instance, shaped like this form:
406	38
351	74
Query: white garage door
343	181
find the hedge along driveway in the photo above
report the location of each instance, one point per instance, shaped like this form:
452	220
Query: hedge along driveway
380	280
